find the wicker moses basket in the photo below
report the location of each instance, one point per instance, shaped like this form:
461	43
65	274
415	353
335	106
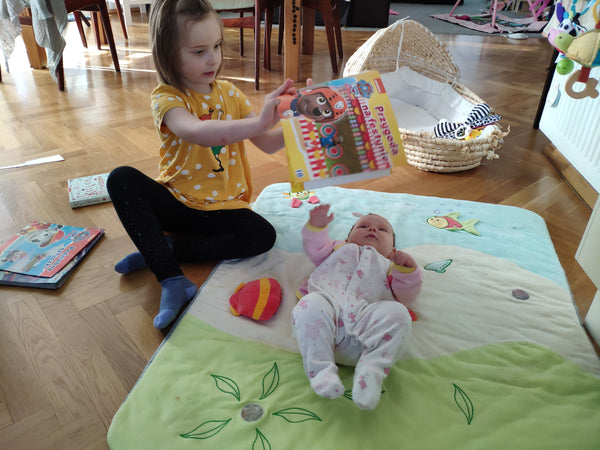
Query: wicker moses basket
410	47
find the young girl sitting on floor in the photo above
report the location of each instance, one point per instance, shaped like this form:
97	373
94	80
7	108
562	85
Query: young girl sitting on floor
202	193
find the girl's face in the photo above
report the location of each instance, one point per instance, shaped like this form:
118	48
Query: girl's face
200	54
375	231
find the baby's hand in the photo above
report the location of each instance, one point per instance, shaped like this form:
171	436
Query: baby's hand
319	217
401	258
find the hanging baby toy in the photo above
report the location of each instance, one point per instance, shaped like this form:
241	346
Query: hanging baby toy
579	45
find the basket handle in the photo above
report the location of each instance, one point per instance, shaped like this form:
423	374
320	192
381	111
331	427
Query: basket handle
401	21
451	80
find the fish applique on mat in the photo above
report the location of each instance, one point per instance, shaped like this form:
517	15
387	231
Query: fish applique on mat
450	222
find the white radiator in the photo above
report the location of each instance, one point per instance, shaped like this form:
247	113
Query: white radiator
573	126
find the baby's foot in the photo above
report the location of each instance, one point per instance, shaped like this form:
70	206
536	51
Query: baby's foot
327	384
366	389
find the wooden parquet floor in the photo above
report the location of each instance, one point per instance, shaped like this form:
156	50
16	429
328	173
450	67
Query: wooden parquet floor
68	358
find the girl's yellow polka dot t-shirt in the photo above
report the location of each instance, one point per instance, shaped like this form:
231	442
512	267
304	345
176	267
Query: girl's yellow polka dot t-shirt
201	177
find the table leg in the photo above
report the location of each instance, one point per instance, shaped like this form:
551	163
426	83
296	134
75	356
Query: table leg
308	31
36	54
292	39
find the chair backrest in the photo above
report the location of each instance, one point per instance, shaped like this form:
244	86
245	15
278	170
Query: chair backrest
232	5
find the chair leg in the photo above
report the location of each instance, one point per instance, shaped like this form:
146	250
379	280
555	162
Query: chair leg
256	49
78	21
60	75
329	22
121	18
96	28
241	37
267	42
127	11
280	38
338	29
109	34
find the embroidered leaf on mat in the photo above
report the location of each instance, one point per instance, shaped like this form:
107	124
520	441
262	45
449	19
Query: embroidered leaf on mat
439	266
296	415
348	393
227	385
270	382
464	403
260	442
206	430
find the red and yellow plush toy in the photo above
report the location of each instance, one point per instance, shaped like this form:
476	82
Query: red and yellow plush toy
258	299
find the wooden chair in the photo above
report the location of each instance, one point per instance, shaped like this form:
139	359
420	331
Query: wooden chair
333	28
80	19
95	6
256	9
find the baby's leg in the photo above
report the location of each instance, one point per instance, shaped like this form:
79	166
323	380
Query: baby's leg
383	331
313	321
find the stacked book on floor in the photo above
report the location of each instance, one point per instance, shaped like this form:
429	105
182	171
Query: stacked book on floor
44	255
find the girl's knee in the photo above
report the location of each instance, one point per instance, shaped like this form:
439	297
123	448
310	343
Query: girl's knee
120	176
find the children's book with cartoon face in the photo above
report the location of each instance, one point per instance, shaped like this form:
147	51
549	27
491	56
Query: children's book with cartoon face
340	131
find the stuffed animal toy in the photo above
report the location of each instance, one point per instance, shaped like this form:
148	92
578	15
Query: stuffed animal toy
576	44
258	299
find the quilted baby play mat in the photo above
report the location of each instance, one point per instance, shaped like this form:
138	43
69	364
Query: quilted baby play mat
497	355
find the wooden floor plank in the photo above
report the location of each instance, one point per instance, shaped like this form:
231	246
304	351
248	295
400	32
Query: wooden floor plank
53	364
90	361
22	390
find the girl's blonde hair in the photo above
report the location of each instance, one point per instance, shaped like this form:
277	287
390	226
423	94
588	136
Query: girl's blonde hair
167	19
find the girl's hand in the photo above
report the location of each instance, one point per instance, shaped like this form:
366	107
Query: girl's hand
320	217
401	258
269	115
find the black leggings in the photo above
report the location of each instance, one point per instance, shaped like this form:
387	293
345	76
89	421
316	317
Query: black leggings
147	210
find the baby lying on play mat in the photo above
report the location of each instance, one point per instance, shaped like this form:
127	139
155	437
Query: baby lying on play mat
353	307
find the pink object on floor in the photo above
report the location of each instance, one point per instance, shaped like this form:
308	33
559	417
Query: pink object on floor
393	13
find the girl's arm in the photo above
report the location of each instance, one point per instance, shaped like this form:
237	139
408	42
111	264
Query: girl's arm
270	141
212	133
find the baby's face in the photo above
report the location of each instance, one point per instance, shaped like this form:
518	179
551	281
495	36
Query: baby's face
375	231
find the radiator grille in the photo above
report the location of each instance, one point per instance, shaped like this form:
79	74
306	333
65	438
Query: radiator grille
573	126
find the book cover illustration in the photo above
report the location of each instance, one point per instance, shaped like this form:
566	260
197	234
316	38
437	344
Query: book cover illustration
88	190
43	249
340	131
53	282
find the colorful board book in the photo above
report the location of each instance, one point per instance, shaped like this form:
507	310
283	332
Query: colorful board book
88	190
340	131
44	250
53	282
